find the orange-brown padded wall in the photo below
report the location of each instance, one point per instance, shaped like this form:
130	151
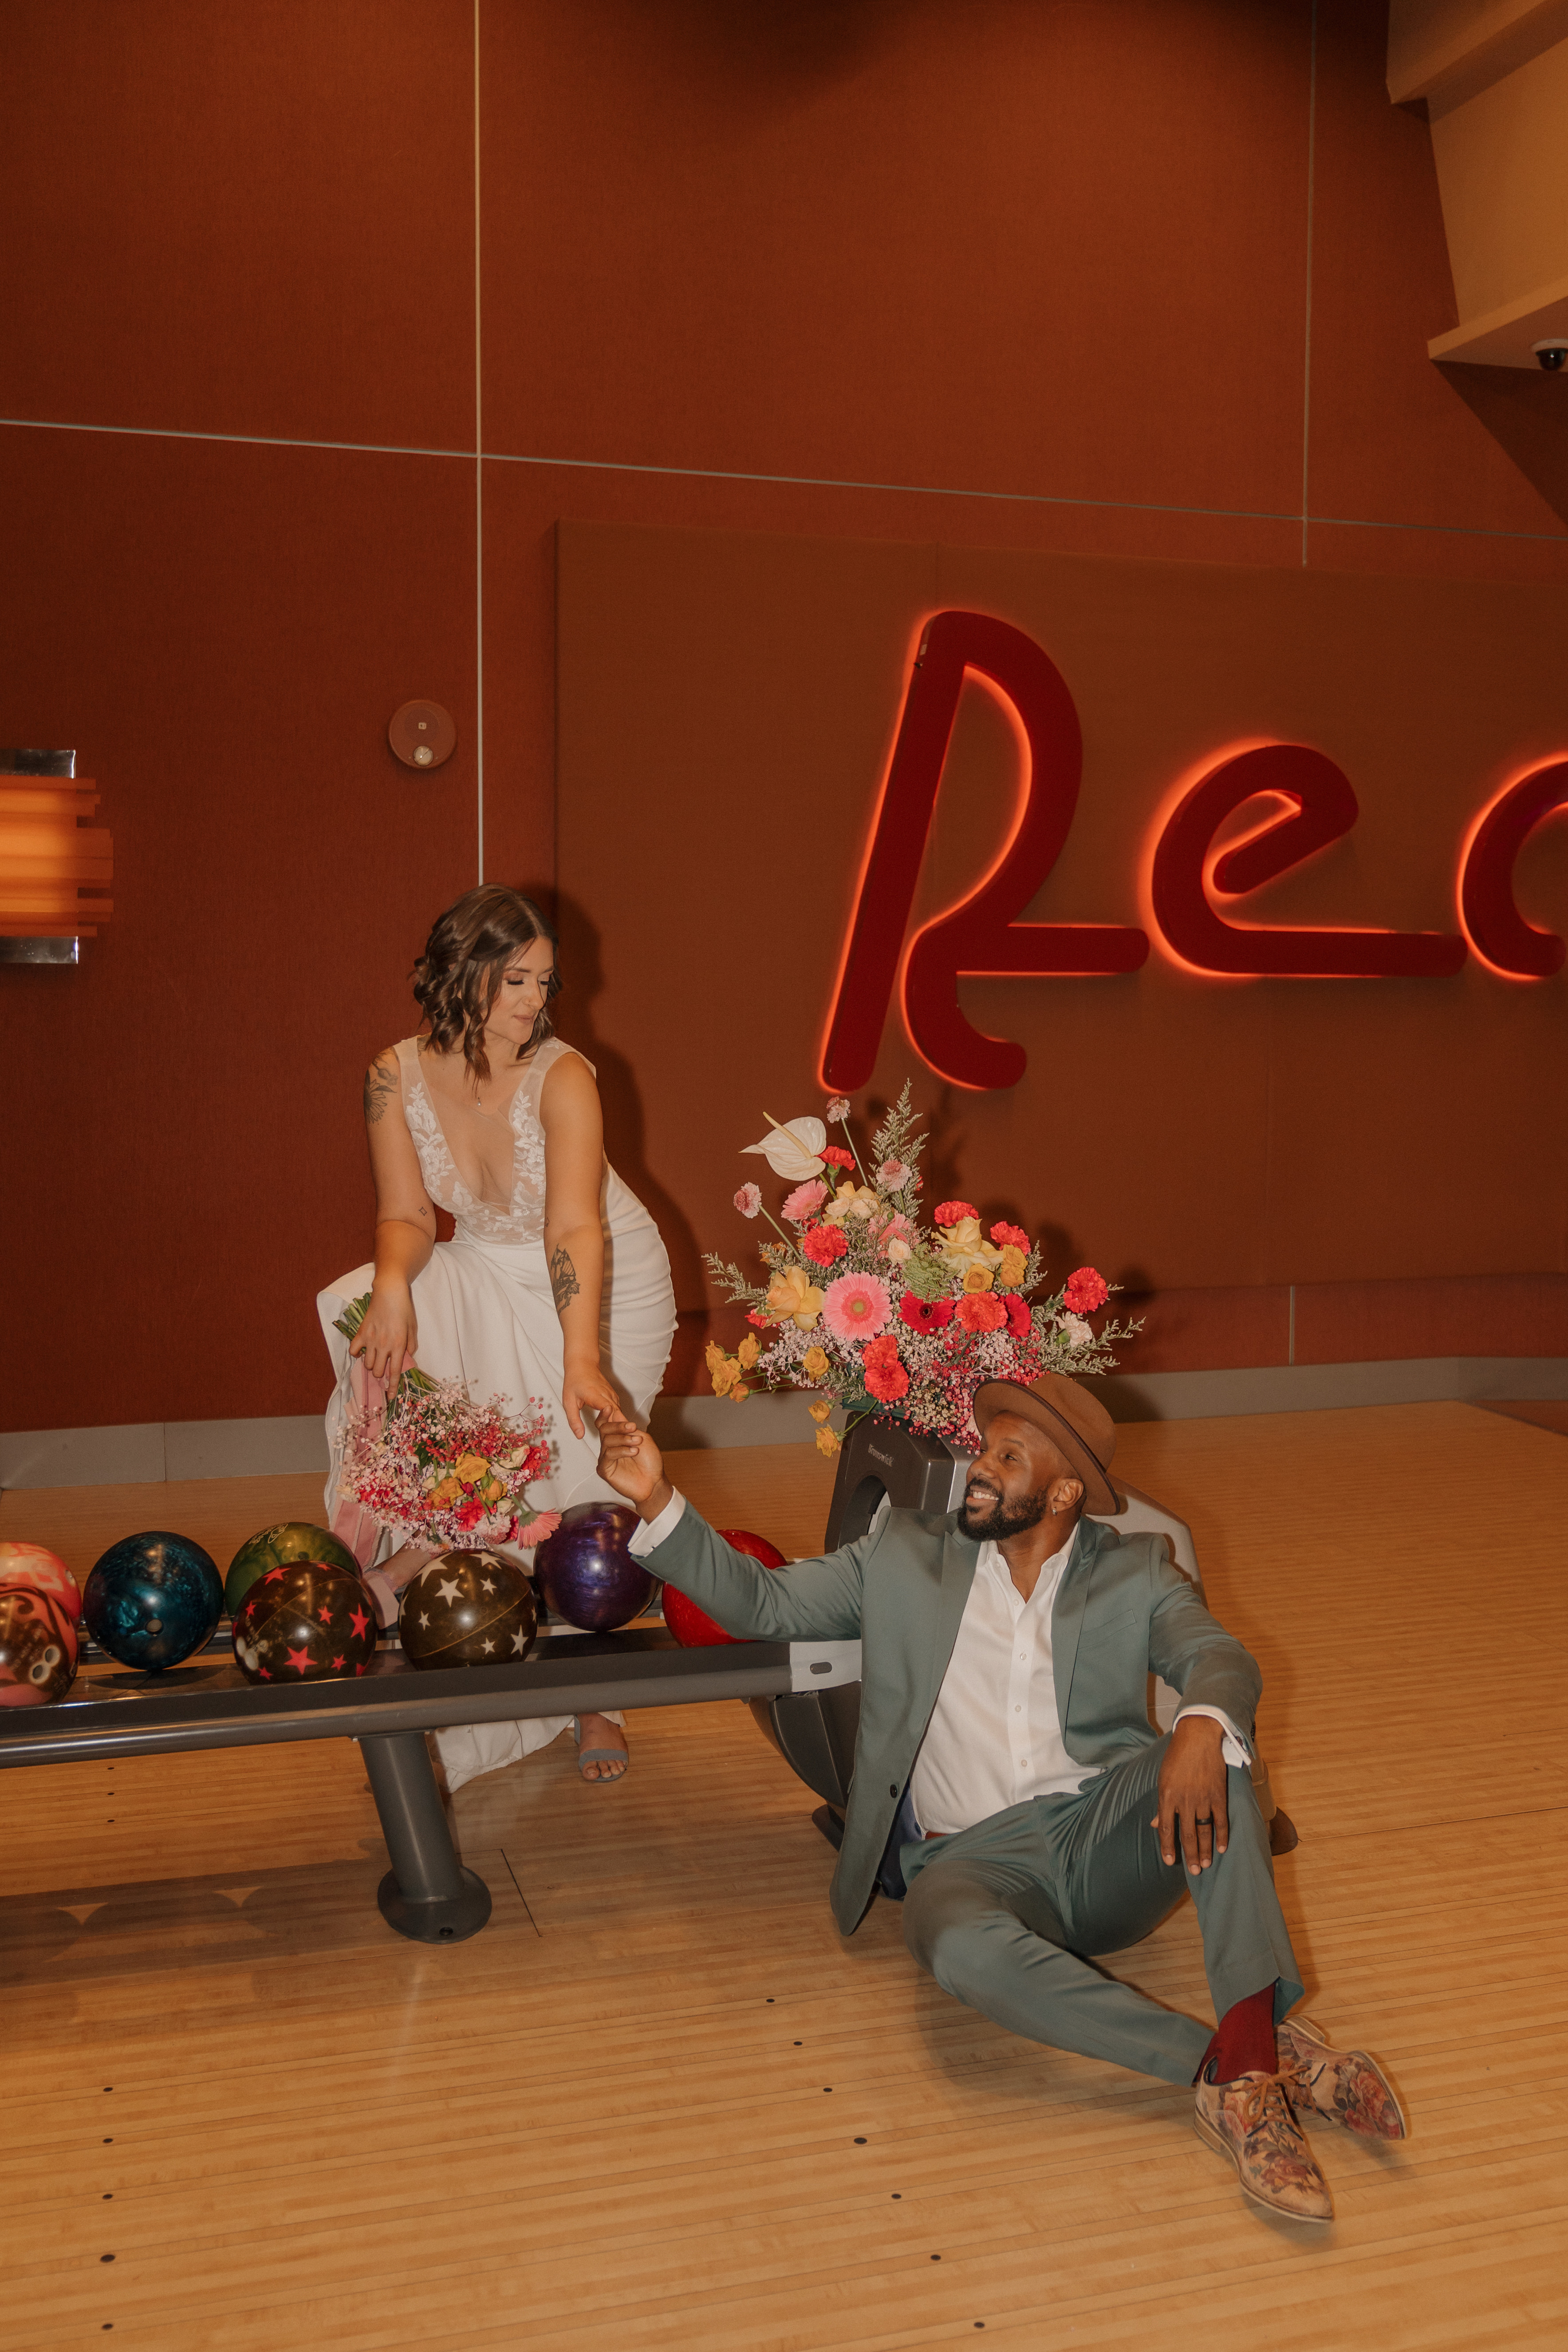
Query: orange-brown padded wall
1000	277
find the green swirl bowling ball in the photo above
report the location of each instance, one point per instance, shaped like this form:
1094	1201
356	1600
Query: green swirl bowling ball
275	1547
153	1600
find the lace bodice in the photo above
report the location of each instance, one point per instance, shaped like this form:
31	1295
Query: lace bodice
478	1219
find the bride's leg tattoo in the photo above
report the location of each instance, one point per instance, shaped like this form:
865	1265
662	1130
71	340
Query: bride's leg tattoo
563	1280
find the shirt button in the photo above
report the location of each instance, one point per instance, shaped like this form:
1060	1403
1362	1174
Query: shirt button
893	1790
1018	1710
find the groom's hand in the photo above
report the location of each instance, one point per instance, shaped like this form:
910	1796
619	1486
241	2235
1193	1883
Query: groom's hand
632	1463
1192	1794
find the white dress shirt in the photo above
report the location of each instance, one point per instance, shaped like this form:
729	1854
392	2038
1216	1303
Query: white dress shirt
995	1738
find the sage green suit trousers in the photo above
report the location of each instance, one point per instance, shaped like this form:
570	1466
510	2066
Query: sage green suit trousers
1007	1914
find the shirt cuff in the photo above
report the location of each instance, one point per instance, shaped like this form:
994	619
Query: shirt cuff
1235	1750
649	1534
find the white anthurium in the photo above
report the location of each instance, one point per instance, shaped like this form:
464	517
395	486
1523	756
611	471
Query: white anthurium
793	1151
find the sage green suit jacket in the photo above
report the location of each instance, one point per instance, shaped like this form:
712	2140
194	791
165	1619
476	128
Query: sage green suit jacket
1121	1612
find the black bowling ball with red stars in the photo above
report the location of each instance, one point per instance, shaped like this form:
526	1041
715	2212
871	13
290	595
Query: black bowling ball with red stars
468	1609
306	1622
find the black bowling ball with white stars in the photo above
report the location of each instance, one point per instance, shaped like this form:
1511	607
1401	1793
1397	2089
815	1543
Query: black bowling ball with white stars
306	1622
468	1609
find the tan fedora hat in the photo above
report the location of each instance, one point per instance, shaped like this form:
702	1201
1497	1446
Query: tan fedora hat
1075	1423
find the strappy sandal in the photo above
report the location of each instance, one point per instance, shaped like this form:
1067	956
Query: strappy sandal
598	1755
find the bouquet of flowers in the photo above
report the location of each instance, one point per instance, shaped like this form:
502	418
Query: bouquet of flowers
879	1312
441	1471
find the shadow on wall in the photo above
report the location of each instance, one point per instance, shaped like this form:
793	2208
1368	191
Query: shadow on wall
1527	416
582	981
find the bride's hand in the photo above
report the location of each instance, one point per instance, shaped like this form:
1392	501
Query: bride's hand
389	1336
585	1388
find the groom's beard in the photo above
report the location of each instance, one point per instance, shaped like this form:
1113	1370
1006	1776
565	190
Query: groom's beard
989	1519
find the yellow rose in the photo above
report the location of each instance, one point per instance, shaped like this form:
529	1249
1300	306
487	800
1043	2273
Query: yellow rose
826	1442
820	1411
976	1277
793	1299
1010	1273
471	1466
814	1364
964	1245
723	1371
739	1393
850	1201
750	1348
494	1491
447	1492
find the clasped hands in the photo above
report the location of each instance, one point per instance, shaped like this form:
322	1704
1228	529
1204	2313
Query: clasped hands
631	1463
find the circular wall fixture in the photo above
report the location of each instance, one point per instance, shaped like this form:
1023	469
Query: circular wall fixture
422	735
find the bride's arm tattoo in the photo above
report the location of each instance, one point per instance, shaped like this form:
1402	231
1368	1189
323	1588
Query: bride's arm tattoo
563	1279
380	1085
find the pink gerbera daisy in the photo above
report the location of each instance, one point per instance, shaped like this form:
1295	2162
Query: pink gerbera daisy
855	1306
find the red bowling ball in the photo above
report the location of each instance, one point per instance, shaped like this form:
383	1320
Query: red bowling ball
44	1571
692	1627
38	1647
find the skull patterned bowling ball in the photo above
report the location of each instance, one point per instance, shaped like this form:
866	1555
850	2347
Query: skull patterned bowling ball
304	1621
692	1627
586	1571
274	1548
153	1600
29	1563
468	1609
38	1647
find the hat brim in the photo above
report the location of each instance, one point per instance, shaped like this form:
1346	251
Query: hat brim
992	1397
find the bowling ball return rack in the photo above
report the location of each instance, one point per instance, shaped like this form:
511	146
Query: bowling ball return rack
428	1894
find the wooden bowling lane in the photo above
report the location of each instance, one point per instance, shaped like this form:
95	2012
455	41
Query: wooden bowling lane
659	2103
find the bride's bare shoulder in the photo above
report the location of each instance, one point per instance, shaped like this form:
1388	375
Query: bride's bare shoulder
383	1084
569	1085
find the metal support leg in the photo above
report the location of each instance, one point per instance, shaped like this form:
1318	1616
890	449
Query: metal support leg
427	1895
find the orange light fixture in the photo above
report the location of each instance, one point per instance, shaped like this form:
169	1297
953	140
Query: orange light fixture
54	864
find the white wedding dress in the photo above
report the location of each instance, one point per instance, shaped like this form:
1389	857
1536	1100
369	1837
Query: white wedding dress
486	1315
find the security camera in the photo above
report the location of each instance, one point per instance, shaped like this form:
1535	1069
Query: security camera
1552	354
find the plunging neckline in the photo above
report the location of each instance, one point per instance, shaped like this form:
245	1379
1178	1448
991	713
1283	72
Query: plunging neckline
480	1200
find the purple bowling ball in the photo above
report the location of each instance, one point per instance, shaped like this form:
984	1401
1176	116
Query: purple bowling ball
586	1573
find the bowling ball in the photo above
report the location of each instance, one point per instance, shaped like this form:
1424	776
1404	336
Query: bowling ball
692	1627
468	1609
586	1571
152	1600
38	1647
273	1548
29	1563
305	1622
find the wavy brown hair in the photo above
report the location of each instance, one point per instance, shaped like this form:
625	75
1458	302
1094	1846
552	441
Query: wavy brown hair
458	977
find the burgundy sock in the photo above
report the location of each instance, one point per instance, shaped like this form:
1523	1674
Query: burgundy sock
1244	2041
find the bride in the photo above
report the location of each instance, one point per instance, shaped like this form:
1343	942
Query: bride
556	1285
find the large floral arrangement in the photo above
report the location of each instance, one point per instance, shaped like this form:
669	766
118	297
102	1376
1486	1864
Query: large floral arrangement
441	1471
878	1311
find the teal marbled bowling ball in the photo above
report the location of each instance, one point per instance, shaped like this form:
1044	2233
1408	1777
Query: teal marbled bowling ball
153	1600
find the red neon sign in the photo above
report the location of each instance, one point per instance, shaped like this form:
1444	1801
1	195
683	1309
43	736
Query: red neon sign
982	937
1488	908
1320	809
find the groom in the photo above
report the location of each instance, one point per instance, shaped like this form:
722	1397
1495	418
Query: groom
1007	1778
